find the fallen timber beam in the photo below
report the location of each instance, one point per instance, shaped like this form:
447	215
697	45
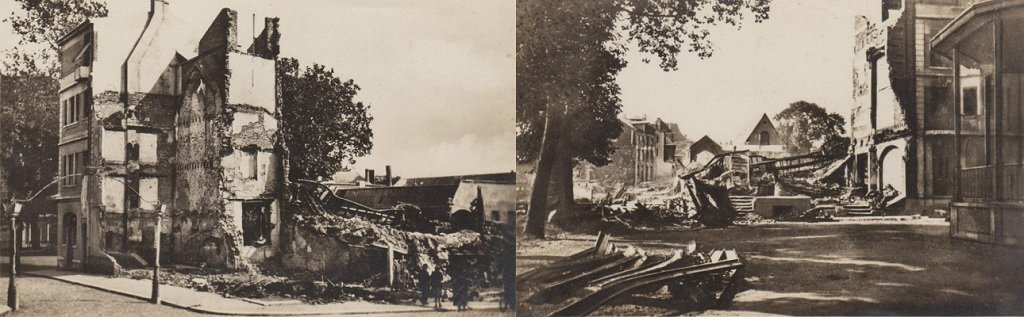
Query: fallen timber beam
601	248
558	289
562	269
590	303
637	270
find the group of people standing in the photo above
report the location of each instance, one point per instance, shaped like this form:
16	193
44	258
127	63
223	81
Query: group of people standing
432	287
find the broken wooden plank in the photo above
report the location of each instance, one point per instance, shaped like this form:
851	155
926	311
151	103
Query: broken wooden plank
590	303
638	270
558	289
561	269
603	246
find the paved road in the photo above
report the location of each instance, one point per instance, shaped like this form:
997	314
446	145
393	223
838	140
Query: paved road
849	269
47	297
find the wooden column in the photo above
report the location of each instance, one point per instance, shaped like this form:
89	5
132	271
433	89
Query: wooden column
997	114
957	103
391	266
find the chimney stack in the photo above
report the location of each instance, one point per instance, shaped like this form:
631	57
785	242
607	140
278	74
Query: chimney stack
370	177
387	175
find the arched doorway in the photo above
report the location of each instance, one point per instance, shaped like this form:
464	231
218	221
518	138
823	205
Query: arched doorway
70	239
462	219
893	169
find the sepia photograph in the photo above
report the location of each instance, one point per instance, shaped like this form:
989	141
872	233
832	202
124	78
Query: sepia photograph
769	157
257	158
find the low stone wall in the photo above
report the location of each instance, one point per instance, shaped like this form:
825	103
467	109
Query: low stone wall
774	206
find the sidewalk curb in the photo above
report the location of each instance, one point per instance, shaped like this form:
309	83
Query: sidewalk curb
233	313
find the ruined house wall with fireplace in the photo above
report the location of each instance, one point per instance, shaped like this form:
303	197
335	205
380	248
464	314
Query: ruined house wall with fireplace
189	122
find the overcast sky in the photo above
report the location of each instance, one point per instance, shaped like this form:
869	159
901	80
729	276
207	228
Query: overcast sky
803	52
439	75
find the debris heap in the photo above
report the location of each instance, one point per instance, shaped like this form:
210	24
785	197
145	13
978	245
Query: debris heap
582	283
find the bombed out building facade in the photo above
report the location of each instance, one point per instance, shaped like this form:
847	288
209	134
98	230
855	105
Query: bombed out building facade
901	124
160	112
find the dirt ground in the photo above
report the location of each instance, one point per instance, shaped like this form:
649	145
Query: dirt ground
866	268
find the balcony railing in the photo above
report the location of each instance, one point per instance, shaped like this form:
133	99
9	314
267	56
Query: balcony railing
1013	181
976	182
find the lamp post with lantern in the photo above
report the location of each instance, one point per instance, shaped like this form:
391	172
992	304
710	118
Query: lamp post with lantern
155	297
12	287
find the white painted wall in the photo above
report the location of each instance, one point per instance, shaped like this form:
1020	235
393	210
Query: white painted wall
500	197
112	193
149	193
252	81
112	145
147	148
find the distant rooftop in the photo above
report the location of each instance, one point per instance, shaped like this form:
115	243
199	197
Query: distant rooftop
502	178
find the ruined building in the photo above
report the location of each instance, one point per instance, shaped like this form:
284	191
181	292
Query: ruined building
646	151
901	123
159	112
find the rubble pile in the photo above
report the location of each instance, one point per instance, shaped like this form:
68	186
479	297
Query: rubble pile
686	202
809	186
310	288
274	280
424	249
687	279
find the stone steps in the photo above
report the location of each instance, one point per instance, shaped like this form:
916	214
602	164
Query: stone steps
742	203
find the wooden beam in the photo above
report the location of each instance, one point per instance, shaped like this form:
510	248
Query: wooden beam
957	104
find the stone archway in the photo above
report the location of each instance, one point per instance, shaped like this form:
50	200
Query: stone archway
892	169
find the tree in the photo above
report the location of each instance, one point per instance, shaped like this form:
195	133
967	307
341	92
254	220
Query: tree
42	24
324	128
567	58
29	130
804	125
29	91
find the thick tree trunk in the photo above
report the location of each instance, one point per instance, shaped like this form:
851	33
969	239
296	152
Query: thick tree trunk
561	190
537	215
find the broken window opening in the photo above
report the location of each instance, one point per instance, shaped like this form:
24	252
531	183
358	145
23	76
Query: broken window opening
130	195
133	151
256	223
495	215
249	162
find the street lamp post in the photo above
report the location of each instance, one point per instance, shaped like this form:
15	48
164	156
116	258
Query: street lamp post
155	299
12	288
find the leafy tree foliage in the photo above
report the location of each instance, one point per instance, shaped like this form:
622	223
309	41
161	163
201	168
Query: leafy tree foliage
325	129
568	56
29	132
803	125
42	24
29	91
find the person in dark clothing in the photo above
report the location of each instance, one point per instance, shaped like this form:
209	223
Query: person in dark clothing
435	286
423	281
460	288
